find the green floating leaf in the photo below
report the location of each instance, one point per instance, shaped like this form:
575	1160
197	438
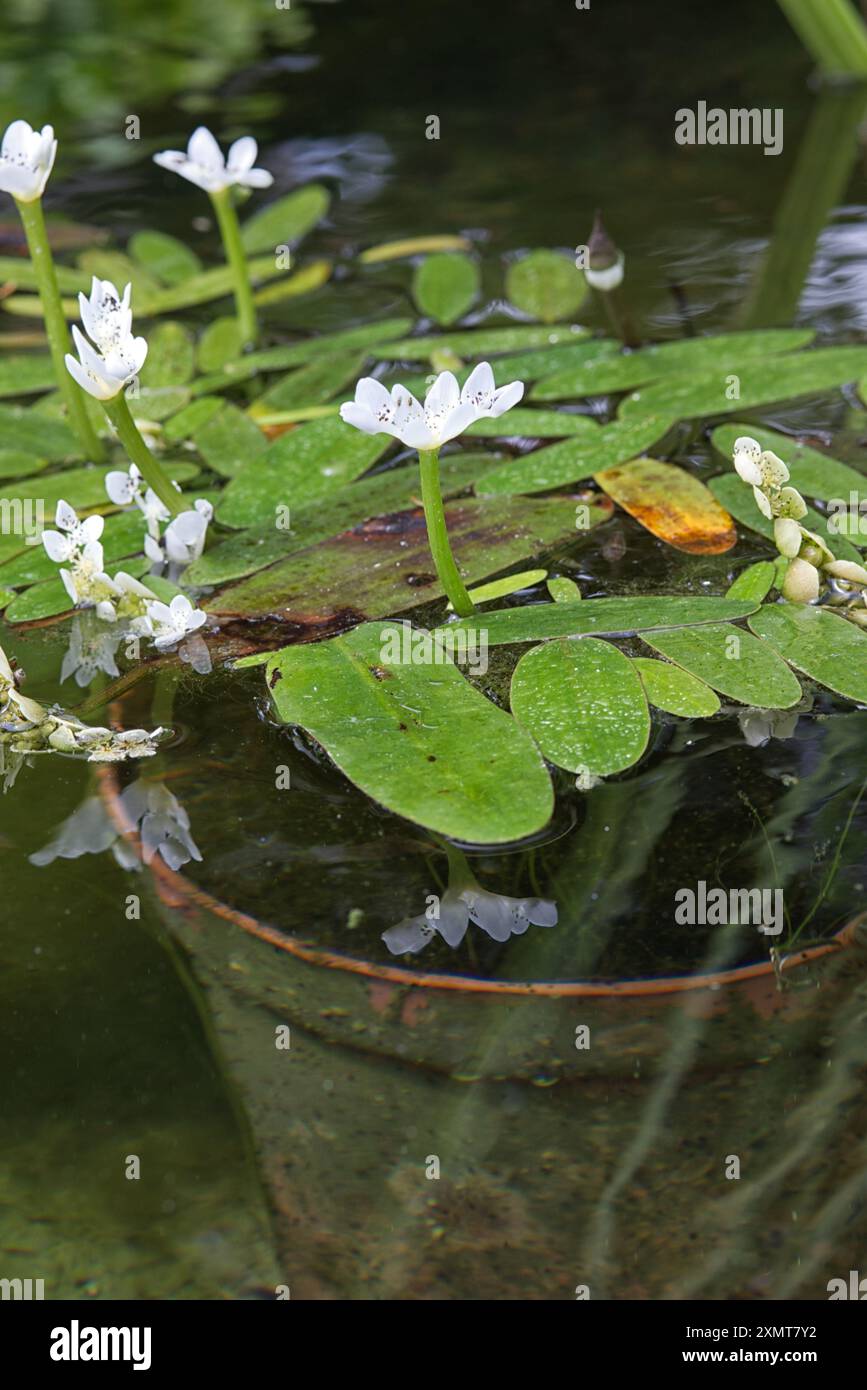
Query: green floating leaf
757	383
813	474
171	356
122	535
219	344
501	588
546	285
312	522
672	504
164	257
601	617
818	642
732	661
417	738
558	465
584	704
287	220
15	463
563	590
413	246
23	374
308	462
31	433
313	384
675	690
229	441
739	501
536	424
606	373
296	354
216	283
445	285
191	417
6	597
385	566
754	583
542	361
18	270
481	342
307	278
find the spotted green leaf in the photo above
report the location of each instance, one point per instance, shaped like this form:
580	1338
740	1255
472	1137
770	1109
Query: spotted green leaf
820	643
733	662
674	690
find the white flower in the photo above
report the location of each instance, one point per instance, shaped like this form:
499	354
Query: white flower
171	622
185	536
499	916
153	510
26	160
104	377
746	453
107	317
204	165
447	410
87	581
73	535
123	488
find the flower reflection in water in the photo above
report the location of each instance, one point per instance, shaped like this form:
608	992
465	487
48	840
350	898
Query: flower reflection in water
161	821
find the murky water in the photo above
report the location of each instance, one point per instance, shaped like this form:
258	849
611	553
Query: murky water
403	1139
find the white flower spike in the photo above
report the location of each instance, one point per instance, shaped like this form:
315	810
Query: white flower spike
26	160
203	163
104	377
446	413
73	536
107	317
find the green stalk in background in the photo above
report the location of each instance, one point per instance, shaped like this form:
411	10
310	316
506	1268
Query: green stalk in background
833	33
438	536
118	412
230	232
55	325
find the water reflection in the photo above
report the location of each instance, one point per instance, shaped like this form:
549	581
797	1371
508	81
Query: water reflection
162	823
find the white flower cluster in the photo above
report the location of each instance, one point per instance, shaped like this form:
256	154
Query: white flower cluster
117	358
26	727
184	538
810	559
77	543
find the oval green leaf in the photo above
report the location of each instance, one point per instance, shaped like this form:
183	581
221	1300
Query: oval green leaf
545	285
670	688
611	617
733	662
818	642
445	285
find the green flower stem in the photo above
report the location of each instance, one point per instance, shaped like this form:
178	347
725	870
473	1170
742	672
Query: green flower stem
55	325
230	231
118	412
438	535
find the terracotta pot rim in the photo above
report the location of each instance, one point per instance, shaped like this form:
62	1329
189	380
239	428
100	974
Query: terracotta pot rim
179	892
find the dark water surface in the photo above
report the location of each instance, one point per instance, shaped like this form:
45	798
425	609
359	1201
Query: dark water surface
158	1037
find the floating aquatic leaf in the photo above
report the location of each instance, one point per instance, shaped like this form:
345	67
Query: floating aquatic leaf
15	463
536	424
584	704
445	285
756	383
755	582
418	738
229	440
191	417
412	246
670	688
601	617
813	473
563	590
606	373
818	642
216	283
286	221
18	270
308	462
671	504
385	566
739	501
296	354
23	374
481	342
219	344
546	285
558	465
164	257
313	384
305	279
733	662
501	588
312	522
25	430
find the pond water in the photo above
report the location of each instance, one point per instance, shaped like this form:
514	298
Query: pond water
304	1159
